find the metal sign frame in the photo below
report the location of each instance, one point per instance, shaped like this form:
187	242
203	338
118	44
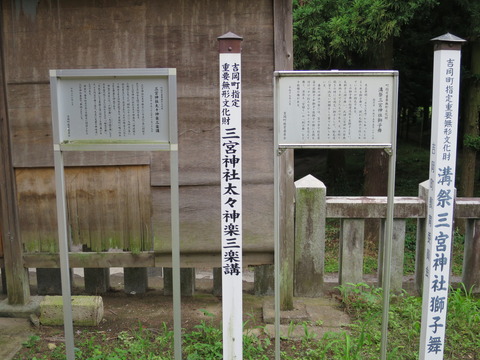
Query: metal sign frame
168	141
281	97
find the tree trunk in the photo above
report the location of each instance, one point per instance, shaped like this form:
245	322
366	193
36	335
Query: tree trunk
376	160
471	124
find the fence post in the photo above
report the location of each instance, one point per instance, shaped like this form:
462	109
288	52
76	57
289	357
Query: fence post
420	244
471	257
310	212
398	250
351	251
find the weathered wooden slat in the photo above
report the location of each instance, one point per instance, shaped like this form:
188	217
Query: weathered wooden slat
108	207
192	35
143	259
72	34
15	275
283	50
200	228
32	133
199	146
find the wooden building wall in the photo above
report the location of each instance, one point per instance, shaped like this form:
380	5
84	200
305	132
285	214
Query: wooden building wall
77	34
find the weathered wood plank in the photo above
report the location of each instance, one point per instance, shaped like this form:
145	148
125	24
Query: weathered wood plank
199	146
16	275
108	207
283	50
200	228
29	109
72	34
192	36
143	259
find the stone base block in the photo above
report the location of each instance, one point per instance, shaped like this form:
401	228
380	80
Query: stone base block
86	310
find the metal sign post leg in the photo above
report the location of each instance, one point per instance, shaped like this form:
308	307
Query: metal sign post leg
387	252
175	223
63	249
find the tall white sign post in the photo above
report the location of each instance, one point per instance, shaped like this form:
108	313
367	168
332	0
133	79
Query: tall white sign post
336	109
231	193
114	110
441	195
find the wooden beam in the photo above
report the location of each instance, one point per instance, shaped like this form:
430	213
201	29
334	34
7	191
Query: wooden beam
283	48
18	289
142	259
374	207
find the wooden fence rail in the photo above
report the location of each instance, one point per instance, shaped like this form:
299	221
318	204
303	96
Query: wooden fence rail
352	212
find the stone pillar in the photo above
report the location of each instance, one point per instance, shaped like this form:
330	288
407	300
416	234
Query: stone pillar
97	280
264	280
217	281
351	251
135	280
49	281
187	281
398	251
4	282
310	212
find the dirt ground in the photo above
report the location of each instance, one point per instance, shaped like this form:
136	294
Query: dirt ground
151	310
124	311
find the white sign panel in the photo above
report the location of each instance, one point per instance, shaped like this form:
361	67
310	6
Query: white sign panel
106	105
341	108
440	202
231	189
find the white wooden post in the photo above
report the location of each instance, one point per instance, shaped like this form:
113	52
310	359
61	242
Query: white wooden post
441	195
231	185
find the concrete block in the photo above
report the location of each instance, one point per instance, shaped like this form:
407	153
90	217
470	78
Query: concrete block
264	283
398	250
20	311
217	281
49	281
86	310
4	282
352	234
135	280
97	280
187	281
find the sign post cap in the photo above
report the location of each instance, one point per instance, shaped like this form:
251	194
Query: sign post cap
448	41
230	36
229	43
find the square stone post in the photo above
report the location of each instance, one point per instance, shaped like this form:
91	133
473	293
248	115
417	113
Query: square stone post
398	251
310	212
351	251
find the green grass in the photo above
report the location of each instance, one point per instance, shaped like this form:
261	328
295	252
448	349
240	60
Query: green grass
360	341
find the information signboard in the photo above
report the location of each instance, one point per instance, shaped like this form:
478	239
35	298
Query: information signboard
112	106
114	110
335	108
